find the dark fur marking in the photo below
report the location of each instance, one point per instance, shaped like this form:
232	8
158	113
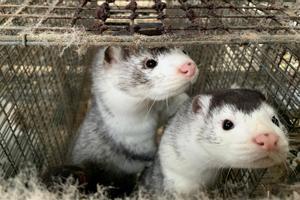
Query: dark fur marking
139	77
159	50
245	100
104	106
152	177
108	55
115	147
130	155
127	52
196	104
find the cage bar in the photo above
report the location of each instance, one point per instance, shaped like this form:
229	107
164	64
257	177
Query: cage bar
206	21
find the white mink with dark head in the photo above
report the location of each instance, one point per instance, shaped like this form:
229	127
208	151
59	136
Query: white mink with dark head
119	129
234	128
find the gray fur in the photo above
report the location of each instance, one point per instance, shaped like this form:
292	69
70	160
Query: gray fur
152	177
106	150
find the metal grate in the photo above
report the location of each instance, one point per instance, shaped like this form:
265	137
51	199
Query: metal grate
176	22
239	182
40	95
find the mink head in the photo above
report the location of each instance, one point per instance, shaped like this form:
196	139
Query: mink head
154	74
239	129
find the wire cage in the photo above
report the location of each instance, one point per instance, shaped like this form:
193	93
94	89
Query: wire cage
45	57
40	95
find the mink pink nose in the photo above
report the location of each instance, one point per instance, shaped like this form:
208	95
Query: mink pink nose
267	141
188	69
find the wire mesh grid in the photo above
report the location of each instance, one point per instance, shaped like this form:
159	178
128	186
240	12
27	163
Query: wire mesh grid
40	95
271	68
179	21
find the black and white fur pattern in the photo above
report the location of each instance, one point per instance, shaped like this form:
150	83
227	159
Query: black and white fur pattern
194	145
119	129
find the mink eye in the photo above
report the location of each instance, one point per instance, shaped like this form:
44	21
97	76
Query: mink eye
227	125
151	63
275	121
184	52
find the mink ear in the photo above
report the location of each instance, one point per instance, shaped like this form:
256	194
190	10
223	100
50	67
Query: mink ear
109	55
200	103
264	93
113	54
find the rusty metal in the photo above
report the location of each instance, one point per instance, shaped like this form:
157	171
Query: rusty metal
205	18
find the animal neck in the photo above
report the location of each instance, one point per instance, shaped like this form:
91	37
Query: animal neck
128	118
186	166
119	104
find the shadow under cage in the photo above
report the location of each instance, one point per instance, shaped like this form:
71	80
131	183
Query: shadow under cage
46	51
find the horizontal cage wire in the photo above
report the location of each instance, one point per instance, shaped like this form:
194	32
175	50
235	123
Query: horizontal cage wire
125	22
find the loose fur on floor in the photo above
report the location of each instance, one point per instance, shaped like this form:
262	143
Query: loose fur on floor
27	186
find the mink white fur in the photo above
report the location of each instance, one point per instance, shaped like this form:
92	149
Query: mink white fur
195	145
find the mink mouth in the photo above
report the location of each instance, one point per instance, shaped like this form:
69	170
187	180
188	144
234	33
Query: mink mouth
266	161
266	158
263	162
172	92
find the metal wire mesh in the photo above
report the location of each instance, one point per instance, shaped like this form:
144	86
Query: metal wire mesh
181	21
40	95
